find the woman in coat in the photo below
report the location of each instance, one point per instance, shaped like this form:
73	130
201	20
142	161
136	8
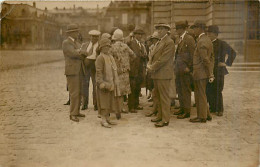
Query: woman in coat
107	83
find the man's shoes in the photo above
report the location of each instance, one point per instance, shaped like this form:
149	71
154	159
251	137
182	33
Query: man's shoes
105	124
151	114
139	108
198	120
84	107
209	118
161	124
111	122
183	116
74	118
68	103
156	120
80	115
180	112
133	111
220	114
118	116
95	108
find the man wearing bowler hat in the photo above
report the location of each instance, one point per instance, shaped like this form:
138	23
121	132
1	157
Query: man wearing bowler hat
90	51
214	90
74	70
160	66
203	63
183	69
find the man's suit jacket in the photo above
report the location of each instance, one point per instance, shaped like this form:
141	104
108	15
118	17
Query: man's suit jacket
137	65
161	62
221	49
184	54
203	59
73	59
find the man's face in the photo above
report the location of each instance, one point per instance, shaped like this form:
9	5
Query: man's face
212	35
94	38
162	31
138	36
196	31
74	34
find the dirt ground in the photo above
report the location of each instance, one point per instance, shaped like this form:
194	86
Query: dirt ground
35	130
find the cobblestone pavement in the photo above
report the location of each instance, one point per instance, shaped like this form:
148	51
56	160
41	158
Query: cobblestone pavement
35	129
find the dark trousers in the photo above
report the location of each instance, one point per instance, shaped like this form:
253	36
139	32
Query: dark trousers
183	84
133	98
90	73
214	94
201	98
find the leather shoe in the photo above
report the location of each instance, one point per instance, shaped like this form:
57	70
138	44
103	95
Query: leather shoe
183	116
139	108
209	118
180	112
156	120
81	115
133	111
151	114
68	103
220	114
198	120
118	116
105	124
84	107
95	108
161	124
111	122
74	118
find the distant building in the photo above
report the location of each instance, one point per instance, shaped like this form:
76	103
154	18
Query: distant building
26	27
239	21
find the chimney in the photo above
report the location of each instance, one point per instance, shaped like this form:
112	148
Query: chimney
34	4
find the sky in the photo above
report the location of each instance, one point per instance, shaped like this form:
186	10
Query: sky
41	4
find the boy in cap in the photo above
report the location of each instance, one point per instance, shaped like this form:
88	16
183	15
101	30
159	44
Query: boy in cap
214	90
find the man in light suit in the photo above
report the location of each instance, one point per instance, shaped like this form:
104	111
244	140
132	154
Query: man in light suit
203	63
214	90
161	67
74	70
90	51
183	68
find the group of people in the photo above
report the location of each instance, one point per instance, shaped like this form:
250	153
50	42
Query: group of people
193	60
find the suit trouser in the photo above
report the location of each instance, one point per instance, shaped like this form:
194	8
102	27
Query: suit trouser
133	98
184	92
162	93
201	98
214	94
74	86
90	73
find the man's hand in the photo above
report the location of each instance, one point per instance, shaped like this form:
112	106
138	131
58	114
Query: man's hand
211	79
102	86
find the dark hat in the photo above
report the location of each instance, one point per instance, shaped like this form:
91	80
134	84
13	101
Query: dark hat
199	23
138	31
72	28
131	27
104	42
162	25
181	24
213	28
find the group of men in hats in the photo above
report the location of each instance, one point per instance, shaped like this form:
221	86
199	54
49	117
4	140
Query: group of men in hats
172	65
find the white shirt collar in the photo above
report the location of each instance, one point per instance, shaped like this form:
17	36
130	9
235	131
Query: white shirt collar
71	38
214	40
201	35
163	37
182	36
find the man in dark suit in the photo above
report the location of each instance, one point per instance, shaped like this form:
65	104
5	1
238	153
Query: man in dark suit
183	69
214	90
161	67
203	63
74	70
136	70
90	51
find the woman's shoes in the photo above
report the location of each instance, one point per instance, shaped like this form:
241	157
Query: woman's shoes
105	124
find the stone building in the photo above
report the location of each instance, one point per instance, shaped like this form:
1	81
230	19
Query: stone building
26	27
239	21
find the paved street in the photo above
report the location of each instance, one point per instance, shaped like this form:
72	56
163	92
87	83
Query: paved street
35	130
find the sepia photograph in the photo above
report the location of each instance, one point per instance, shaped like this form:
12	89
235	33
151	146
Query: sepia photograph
130	83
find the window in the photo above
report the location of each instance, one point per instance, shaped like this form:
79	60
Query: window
124	18
253	23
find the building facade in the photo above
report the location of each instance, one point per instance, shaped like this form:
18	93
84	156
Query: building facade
26	27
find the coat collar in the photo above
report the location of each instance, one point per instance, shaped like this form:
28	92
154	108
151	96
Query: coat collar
159	45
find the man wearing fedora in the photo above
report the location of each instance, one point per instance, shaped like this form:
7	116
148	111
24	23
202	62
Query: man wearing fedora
136	70
214	90
203	63
183	68
90	51
161	67
74	70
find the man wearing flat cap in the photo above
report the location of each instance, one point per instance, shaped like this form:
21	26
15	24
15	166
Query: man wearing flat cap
90	50
183	68
203	63
137	68
74	70
161	67
214	90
